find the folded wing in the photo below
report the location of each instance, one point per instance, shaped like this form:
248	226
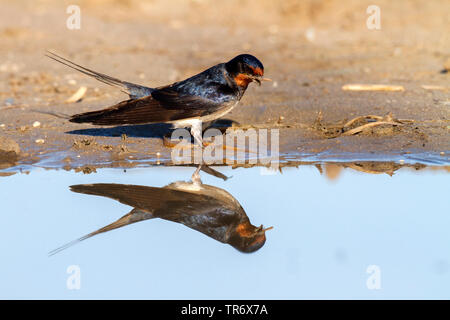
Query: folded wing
163	105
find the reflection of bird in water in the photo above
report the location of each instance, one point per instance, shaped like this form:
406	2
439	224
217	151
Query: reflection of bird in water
207	209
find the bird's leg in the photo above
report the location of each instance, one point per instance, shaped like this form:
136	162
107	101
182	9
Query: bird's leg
196	131
196	176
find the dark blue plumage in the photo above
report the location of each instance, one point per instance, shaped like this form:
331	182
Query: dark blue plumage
209	94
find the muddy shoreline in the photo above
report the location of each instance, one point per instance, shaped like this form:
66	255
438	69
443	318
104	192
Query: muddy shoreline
309	59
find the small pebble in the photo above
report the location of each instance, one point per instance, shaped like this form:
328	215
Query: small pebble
442	153
40	141
402	161
275	84
2	125
310	34
36	124
77	96
9	102
72	82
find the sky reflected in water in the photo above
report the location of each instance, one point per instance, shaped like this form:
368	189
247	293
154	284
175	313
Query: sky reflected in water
328	229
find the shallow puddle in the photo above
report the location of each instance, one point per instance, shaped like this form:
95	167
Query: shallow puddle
339	231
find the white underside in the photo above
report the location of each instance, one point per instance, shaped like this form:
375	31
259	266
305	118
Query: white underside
210	117
196	123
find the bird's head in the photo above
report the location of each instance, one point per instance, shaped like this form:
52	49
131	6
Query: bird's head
247	238
244	69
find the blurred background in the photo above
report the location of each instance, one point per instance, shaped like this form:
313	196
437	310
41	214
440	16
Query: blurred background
161	41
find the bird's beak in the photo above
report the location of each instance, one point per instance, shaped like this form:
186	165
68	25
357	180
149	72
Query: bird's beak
261	228
259	79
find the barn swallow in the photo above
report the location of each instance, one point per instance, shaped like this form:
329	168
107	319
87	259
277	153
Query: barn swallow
204	208
204	97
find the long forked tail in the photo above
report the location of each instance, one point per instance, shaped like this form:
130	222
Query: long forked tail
54	114
132	89
133	216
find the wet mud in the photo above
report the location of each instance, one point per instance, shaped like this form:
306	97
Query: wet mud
310	49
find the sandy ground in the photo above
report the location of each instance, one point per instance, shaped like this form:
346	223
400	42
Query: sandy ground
309	48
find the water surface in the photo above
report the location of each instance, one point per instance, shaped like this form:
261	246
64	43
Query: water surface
329	228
